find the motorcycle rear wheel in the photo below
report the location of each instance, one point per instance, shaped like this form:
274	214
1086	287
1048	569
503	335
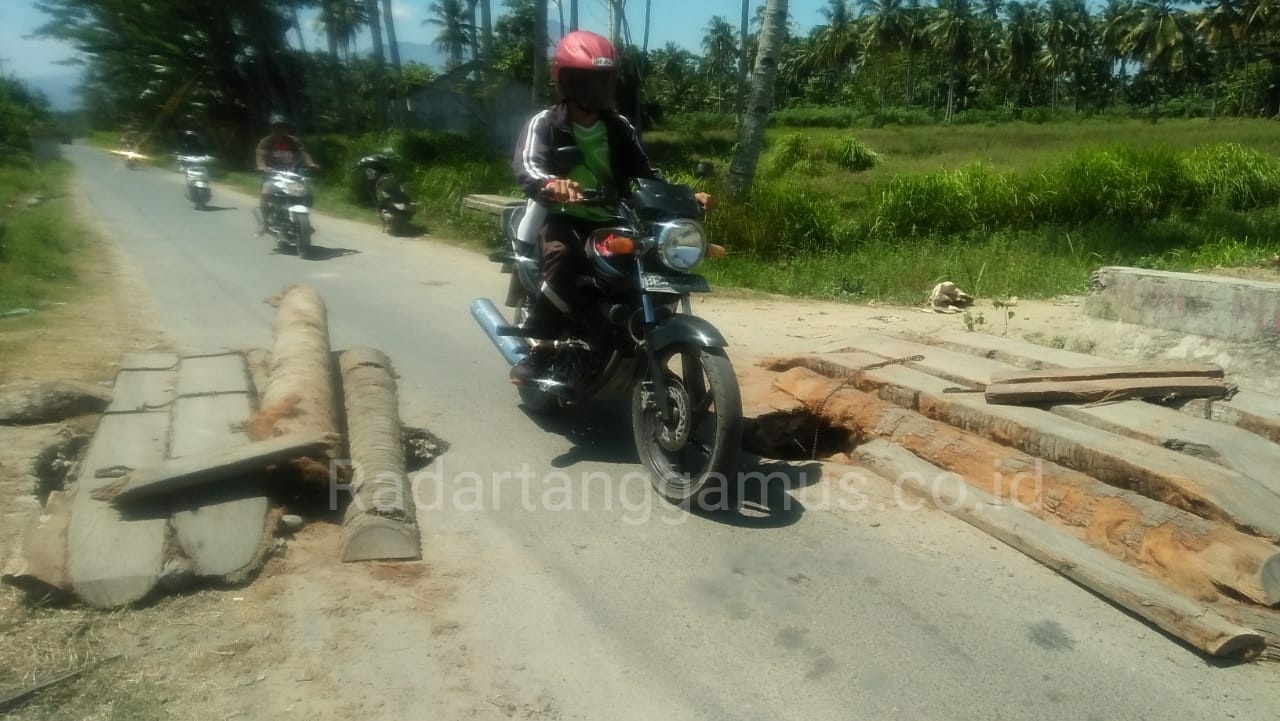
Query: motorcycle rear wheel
696	452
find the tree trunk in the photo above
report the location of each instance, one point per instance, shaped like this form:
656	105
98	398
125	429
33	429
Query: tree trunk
573	15
475	37
401	101
755	121
379	65
615	22
486	33
540	70
743	60
339	81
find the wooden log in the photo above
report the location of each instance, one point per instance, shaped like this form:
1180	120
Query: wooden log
1265	621
1191	553
301	393
1251	410
1148	370
1113	389
181	474
1066	554
380	523
1224	445
40	564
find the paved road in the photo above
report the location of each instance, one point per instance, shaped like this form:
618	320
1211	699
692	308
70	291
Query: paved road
810	612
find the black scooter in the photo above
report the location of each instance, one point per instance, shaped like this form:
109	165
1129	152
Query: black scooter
385	192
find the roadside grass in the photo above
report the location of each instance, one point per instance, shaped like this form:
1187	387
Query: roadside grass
38	242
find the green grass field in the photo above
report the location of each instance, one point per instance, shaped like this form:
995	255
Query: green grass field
38	241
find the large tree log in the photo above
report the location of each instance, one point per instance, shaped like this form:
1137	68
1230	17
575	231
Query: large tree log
301	391
40	563
1203	488
1191	553
380	522
1066	554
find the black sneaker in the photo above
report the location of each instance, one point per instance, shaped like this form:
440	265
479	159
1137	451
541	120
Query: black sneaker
530	368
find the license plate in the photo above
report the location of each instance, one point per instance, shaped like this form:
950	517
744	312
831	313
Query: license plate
661	283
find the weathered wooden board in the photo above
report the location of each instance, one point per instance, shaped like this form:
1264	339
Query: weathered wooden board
1225	445
40	564
113	561
142	390
1196	555
221	528
205	375
1067	554
148	361
1112	389
210	450
1144	370
1189	483
1255	412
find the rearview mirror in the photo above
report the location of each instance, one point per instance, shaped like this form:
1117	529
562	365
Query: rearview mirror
568	157
706	169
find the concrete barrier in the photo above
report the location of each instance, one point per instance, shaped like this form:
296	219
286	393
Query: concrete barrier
1200	304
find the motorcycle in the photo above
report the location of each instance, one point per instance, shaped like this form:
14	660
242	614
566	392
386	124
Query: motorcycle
290	199
387	194
635	337
196	169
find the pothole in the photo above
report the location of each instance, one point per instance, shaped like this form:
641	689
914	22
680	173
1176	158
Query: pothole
796	436
53	465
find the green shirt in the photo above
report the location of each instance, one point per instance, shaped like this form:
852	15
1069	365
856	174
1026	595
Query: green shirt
595	171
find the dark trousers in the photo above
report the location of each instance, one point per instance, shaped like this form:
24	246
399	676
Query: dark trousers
563	241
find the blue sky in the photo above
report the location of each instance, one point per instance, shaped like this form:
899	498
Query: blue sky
679	21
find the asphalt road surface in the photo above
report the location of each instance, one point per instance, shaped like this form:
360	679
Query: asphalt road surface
610	605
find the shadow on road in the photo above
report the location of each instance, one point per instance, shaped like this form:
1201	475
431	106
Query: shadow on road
760	497
216	208
318	252
599	432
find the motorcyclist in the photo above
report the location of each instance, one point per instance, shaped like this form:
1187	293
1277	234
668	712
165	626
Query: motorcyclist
584	71
190	145
279	150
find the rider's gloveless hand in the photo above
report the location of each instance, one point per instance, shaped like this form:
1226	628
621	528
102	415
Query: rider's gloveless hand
563	190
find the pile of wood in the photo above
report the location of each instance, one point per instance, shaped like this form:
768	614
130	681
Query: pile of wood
179	479
1109	474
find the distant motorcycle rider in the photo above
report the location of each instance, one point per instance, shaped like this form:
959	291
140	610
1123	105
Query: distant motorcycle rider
279	150
584	71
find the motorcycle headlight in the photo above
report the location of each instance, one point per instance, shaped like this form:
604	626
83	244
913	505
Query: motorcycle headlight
293	187
681	245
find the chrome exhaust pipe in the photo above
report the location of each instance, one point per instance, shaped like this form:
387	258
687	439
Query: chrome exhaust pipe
513	348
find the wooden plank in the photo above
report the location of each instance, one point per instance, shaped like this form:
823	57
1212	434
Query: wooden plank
221	528
1066	554
1253	411
1144	370
1225	445
113	561
195	467
1189	483
40	564
142	390
148	361
206	375
1196	555
1113	389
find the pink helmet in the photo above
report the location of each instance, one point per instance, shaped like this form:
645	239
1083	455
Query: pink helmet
585	70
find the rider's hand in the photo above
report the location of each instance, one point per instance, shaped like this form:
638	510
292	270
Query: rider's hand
708	202
563	190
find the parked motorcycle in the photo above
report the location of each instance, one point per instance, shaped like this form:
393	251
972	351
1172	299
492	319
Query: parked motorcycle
385	192
289	205
636	336
196	168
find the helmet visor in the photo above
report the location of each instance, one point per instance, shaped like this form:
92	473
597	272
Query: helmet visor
591	90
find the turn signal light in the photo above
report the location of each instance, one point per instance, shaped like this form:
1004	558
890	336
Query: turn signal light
617	245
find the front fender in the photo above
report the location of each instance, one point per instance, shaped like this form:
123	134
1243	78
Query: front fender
686	329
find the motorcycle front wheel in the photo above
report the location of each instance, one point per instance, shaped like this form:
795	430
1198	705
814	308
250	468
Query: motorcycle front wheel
696	449
304	236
